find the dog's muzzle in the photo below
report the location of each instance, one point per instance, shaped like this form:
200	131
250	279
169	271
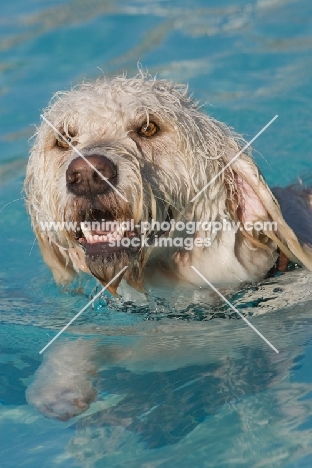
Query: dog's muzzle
91	179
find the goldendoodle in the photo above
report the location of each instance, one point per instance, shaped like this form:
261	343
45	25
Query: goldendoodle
129	180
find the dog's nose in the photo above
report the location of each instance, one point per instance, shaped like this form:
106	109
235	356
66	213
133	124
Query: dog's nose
88	176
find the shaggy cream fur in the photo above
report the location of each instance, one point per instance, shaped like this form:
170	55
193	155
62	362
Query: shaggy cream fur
158	175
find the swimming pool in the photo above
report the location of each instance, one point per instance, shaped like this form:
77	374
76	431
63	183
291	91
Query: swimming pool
180	389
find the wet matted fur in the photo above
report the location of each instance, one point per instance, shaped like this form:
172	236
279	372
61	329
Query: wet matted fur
158	150
158	173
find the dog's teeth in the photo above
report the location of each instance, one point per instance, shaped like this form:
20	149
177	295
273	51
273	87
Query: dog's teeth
91	238
86	232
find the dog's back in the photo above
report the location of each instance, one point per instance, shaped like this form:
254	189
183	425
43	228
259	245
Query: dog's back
296	206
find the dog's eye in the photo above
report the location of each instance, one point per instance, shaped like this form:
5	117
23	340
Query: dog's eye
64	142
148	130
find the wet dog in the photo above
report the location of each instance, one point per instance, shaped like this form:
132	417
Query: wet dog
129	180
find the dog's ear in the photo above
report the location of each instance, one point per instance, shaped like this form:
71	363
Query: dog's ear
255	201
57	259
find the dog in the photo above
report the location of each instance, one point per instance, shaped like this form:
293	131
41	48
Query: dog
139	155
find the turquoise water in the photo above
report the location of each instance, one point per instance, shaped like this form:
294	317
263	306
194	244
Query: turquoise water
193	393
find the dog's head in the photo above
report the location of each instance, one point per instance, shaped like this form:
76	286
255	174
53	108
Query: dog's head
114	154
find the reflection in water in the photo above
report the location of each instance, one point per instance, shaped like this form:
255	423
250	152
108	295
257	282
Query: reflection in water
171	381
163	407
198	407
